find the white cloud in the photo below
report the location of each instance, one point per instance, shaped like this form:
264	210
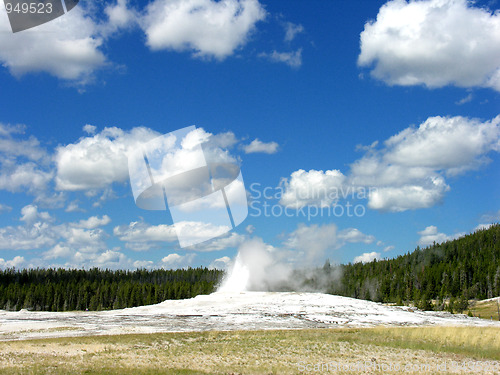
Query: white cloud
39	231
67	47
206	27
95	162
25	176
223	140
30	215
36	232
28	148
355	236
141	236
17	262
431	234
74	207
407	172
24	164
58	251
175	260
89	129
110	257
258	146
250	229
453	144
225	241
408	197
312	188
367	257
292	59
120	16
482	227
93	222
433	43
291	31
220	263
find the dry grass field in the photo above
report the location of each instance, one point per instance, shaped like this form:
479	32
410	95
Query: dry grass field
485	309
378	350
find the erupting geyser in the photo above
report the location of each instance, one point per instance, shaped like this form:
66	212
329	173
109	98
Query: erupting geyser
255	268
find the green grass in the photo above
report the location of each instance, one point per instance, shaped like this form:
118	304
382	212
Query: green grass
247	352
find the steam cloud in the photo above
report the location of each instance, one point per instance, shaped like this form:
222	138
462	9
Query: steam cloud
261	267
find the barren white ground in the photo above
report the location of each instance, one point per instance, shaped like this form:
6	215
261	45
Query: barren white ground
225	311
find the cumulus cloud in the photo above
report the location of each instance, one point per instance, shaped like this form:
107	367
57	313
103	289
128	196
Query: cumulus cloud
30	214
224	241
220	263
58	251
316	188
120	16
74	207
207	28
257	146
35	232
93	222
292	59
16	262
97	161
355	236
482	227
366	257
175	260
26	176
453	144
143	236
67	47
39	231
24	163
431	235
407	172
433	43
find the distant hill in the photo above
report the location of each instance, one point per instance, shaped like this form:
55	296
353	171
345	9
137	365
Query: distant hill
458	270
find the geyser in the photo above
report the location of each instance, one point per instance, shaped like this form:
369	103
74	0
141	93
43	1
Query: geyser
257	267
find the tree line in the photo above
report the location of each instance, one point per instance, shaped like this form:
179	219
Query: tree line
454	271
96	289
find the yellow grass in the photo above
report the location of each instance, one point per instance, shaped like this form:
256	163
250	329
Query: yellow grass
256	352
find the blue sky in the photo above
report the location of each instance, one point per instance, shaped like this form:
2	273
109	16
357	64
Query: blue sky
399	100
